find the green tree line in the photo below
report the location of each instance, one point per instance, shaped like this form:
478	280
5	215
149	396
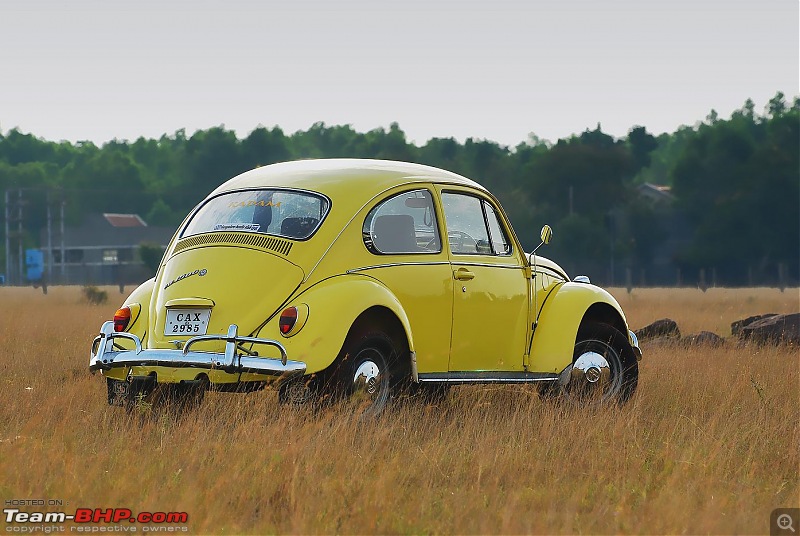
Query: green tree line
735	182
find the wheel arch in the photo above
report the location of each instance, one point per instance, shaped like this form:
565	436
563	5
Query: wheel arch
603	313
568	309
381	319
378	318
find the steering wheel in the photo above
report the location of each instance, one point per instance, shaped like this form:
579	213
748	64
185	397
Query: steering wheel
463	237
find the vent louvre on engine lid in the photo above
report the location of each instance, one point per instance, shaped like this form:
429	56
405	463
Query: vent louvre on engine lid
246	239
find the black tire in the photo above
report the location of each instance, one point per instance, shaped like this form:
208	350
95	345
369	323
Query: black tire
144	395
623	379
304	391
141	395
365	373
183	397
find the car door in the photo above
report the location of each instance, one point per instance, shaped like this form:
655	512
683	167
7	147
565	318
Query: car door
490	288
402	234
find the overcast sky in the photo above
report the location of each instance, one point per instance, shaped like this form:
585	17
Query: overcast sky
490	69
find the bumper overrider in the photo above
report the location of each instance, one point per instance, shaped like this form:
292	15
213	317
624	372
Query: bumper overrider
105	357
634	340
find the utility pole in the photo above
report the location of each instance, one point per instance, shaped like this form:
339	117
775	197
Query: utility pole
49	241
8	242
63	258
20	258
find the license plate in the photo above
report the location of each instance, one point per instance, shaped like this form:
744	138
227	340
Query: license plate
187	321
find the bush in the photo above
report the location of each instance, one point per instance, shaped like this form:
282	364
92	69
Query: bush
94	295
151	255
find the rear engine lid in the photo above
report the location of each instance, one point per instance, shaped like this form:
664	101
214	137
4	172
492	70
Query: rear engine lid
203	290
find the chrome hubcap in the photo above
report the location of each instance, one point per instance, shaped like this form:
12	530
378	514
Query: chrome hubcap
591	370
367	378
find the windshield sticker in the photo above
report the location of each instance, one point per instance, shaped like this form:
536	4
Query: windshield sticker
237	227
252	203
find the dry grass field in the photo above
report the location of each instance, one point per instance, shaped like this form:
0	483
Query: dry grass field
709	444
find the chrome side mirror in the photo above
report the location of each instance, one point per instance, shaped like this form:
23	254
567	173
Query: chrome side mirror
546	234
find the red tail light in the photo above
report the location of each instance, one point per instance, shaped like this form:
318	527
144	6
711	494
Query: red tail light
288	319
122	318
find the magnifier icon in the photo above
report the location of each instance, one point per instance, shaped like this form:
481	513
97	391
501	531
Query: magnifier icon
785	522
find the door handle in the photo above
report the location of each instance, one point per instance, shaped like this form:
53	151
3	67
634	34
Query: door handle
462	274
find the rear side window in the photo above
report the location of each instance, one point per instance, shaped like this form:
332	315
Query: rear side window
402	224
287	213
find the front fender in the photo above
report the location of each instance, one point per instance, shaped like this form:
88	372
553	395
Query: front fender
563	311
333	306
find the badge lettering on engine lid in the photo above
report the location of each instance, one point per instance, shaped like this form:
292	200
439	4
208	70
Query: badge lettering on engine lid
201	272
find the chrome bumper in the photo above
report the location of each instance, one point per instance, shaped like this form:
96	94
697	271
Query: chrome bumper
635	345
104	357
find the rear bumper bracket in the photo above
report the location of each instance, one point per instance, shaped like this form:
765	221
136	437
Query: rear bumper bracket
103	356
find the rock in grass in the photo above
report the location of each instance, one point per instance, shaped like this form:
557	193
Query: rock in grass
774	329
665	327
704	338
736	327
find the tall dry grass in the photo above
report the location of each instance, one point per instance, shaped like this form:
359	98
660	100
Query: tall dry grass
709	444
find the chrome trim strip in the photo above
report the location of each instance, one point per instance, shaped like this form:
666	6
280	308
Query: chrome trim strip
392	264
103	357
432	263
488	377
486	265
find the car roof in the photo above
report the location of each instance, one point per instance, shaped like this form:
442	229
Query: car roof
342	176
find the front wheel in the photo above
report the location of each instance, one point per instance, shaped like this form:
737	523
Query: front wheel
604	368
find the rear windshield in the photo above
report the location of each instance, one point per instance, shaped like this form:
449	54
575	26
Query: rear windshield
287	213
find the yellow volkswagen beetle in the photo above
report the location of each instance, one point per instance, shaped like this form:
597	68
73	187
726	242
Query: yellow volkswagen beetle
360	277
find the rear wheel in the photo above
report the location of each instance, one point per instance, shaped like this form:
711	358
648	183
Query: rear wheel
303	391
139	395
365	373
184	396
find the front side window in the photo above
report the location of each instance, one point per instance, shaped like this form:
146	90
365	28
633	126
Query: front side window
500	245
404	223
473	227
288	213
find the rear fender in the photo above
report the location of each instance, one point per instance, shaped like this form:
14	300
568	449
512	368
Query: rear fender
139	302
334	305
566	308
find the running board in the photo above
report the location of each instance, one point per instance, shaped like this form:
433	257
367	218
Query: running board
487	377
